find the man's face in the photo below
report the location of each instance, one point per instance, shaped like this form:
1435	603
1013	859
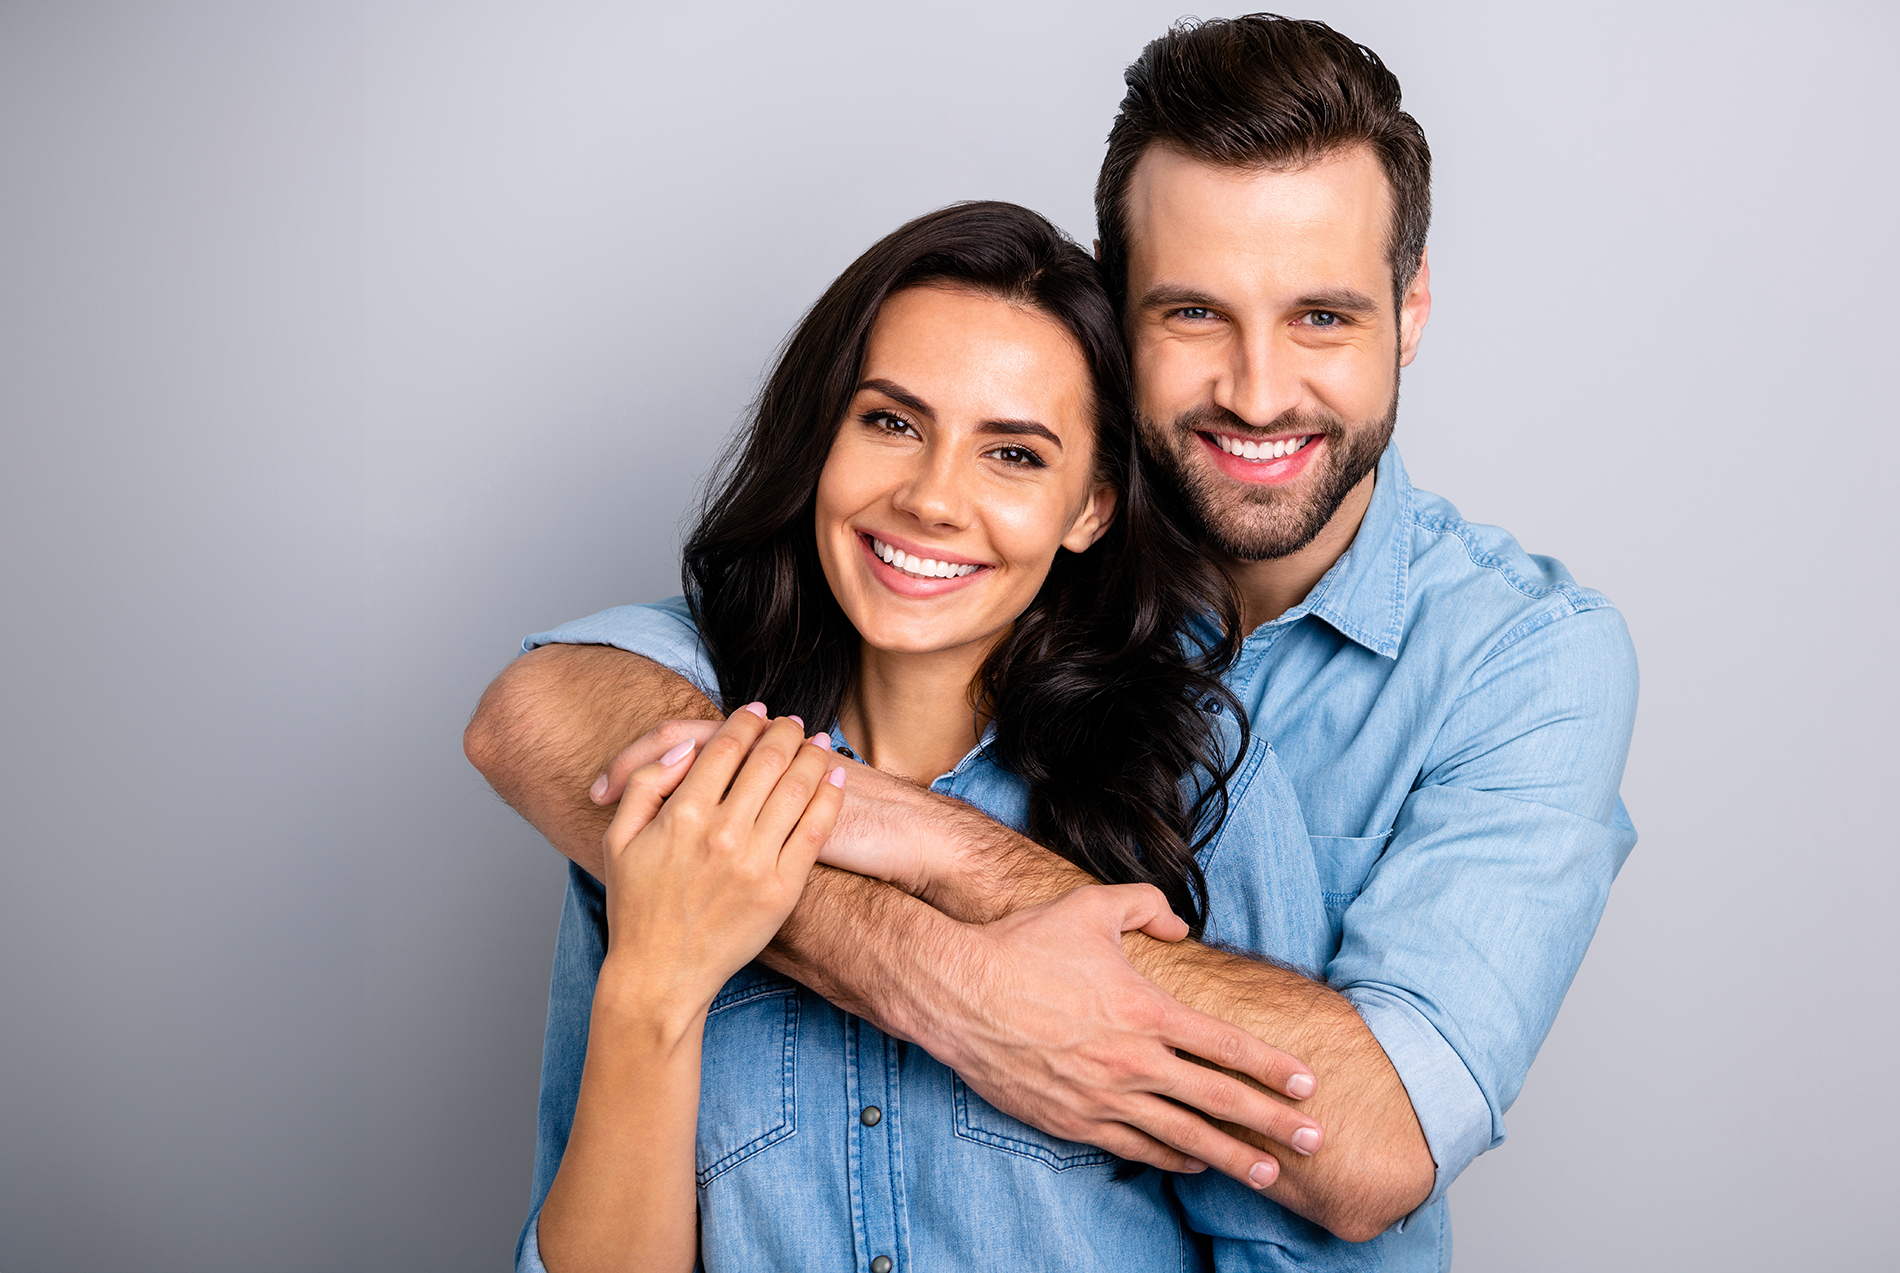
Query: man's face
1266	346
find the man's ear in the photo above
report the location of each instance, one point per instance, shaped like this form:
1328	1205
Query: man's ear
1094	519
1414	308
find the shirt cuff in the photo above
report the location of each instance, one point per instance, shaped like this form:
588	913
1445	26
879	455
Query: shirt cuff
1450	1106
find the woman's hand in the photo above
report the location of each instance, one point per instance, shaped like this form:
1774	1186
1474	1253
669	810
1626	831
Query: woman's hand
707	855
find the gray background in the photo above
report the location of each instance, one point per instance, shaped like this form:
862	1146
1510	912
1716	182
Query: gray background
341	345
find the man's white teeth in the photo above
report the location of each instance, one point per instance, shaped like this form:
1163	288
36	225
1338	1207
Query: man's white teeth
923	567
1260	450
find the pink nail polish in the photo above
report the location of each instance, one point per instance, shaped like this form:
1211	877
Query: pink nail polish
672	757
821	740
1306	1140
757	709
1300	1086
799	719
599	790
836	777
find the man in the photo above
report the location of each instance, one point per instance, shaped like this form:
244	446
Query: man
1454	713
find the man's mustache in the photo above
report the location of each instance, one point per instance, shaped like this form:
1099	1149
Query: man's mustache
1212	419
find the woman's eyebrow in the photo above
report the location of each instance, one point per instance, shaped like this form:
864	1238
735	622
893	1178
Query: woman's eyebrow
1018	428
897	393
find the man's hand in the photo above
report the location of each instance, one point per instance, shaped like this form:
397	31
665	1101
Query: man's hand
1074	1041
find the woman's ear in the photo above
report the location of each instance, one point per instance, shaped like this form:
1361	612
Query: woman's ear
1093	520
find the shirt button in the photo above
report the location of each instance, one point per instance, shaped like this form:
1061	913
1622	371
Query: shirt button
869	1116
881	1265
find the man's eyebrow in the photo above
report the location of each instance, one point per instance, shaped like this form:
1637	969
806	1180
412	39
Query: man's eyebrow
1174	295
1348	299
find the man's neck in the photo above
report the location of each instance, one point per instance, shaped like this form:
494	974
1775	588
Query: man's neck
910	714
1268	589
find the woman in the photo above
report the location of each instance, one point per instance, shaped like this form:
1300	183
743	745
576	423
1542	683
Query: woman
926	538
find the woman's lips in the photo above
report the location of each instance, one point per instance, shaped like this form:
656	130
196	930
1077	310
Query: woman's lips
907	584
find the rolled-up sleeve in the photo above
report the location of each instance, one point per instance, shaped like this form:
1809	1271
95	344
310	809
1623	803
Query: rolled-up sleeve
662	631
1460	947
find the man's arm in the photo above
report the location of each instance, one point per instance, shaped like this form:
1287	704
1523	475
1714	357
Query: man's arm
1004	1008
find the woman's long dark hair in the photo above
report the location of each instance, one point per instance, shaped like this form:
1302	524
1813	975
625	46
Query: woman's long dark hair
1099	693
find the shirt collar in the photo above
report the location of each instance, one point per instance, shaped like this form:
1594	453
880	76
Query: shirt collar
1363	595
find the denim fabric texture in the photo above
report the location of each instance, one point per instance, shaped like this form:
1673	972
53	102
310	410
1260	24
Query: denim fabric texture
791	1174
1452	715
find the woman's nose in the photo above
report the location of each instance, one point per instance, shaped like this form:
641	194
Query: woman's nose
934	494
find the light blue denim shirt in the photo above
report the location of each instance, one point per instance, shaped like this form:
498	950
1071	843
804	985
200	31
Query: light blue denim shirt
824	1143
1453	714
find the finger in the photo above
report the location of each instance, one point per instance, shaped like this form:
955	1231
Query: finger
721	756
1187	1133
1135	906
793	794
1223	1097
814	827
648	748
1125	1142
1233	1048
764	767
646	790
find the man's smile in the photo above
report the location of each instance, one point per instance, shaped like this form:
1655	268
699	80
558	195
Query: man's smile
1268	461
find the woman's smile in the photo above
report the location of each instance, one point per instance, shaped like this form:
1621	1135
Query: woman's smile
964	464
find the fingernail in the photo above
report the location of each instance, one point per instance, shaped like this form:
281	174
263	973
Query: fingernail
821	740
1262	1174
1193	1167
1300	1086
1306	1140
757	709
599	790
799	719
671	758
836	777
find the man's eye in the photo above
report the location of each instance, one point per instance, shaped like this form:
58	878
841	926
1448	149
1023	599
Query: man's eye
1324	318
1194	313
1018	455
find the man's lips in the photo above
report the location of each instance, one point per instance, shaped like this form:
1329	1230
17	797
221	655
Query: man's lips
914	573
1266	468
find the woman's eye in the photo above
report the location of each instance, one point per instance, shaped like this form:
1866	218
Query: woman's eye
888	422
1019	455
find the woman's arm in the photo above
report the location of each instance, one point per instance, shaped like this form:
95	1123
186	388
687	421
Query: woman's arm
718	870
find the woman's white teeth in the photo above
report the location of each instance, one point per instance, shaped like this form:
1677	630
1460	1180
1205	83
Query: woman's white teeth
925	567
1260	450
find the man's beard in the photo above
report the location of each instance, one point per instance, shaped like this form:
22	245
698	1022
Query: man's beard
1247	522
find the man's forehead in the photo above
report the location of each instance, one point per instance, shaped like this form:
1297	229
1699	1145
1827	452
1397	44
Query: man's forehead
1331	216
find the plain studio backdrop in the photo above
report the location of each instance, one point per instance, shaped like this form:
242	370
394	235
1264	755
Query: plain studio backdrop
343	344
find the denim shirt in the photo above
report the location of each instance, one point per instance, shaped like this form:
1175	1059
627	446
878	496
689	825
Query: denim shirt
1453	714
824	1143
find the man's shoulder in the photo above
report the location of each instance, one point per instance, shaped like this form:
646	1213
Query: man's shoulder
1478	581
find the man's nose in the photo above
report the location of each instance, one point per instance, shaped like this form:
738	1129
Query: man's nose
1261	382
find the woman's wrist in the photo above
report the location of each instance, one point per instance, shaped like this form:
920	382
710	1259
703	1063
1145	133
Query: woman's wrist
647	1004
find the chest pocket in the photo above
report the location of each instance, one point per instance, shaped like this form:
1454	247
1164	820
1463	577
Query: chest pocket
979	1121
748	1085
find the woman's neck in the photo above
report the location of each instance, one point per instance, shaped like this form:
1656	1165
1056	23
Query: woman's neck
910	714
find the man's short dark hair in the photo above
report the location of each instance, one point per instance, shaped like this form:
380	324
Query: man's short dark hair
1264	92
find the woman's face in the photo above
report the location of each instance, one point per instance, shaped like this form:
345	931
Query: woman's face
966	459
